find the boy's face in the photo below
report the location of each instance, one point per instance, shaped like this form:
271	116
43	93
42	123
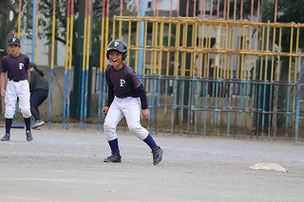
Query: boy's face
14	50
115	58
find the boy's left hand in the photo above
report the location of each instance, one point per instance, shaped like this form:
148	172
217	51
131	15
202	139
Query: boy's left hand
3	92
145	113
105	110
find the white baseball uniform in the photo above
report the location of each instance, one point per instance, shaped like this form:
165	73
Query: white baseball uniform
126	103
17	85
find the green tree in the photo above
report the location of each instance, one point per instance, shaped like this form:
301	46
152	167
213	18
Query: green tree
288	11
45	22
7	8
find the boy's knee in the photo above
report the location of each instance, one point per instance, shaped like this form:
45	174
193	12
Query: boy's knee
110	131
9	112
135	128
138	131
26	113
108	126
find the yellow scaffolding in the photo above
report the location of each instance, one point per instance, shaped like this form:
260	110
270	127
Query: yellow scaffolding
224	49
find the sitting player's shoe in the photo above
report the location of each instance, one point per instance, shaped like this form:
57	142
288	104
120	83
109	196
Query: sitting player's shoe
157	155
38	123
29	136
6	137
114	158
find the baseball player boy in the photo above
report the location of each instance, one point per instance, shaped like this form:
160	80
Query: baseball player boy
16	65
126	98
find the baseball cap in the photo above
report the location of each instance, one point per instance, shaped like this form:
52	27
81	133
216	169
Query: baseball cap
14	40
33	65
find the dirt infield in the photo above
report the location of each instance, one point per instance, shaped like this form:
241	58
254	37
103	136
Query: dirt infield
67	165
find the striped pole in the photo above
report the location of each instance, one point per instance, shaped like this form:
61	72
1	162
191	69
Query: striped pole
142	4
34	29
83	65
52	62
87	63
289	81
70	64
154	90
106	45
102	66
19	36
19	20
66	64
217	68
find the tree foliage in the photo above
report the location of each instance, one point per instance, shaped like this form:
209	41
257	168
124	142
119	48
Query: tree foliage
288	11
7	8
45	22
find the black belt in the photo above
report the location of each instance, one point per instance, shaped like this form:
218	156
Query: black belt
127	97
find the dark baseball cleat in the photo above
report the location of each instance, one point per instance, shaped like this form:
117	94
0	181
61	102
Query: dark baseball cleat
6	137
114	158
157	155
29	136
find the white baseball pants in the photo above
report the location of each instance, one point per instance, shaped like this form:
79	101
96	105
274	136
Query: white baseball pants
13	90
124	107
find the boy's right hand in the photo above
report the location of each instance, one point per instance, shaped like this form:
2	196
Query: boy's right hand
3	92
105	110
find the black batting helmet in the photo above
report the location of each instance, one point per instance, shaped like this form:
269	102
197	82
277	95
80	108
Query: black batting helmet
117	45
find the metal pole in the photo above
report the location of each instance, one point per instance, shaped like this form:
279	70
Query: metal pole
66	64
70	64
102	66
52	62
34	30
19	20
83	65
87	64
